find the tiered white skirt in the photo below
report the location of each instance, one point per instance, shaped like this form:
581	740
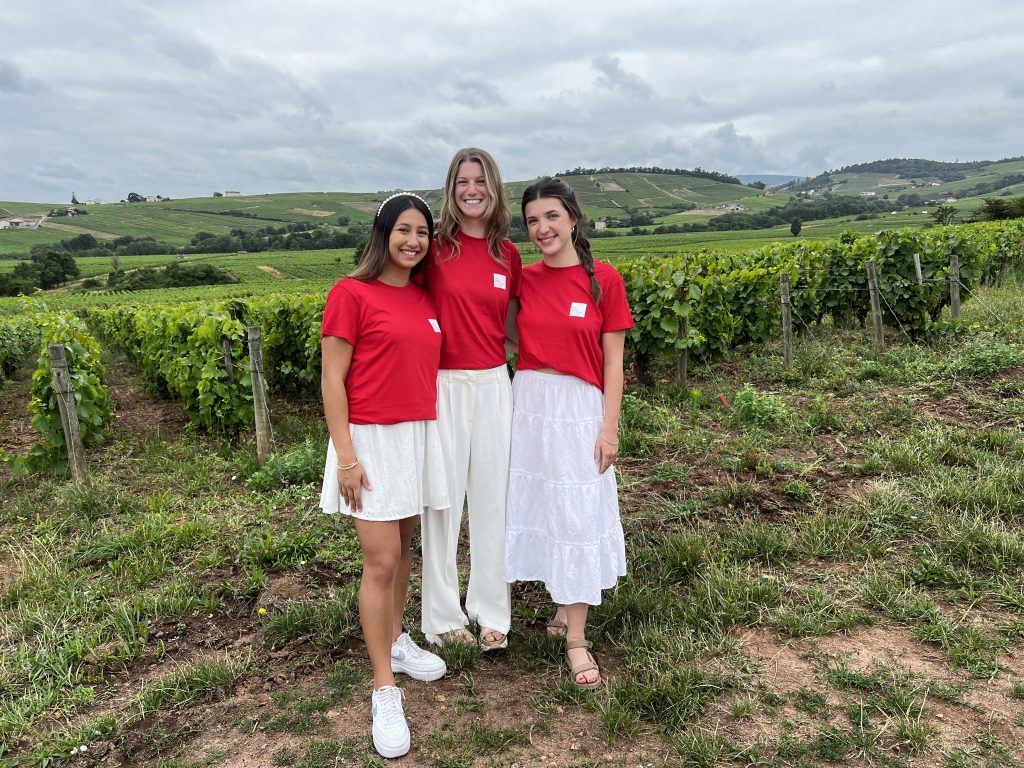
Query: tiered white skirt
403	462
563	526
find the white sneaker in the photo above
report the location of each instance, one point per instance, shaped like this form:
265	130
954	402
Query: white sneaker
408	658
390	731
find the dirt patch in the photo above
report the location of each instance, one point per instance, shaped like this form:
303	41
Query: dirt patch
272	271
16	432
137	411
312	212
48	224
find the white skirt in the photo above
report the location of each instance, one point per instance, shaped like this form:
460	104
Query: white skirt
563	524
404	464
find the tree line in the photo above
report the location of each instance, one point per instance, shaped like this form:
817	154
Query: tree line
698	172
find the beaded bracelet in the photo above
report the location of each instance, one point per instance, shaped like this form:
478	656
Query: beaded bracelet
346	467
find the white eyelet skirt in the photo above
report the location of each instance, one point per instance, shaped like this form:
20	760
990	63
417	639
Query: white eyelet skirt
563	524
404	464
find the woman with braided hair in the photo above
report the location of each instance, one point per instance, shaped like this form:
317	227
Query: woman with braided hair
563	511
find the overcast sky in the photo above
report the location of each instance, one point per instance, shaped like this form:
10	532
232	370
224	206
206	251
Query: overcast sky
187	97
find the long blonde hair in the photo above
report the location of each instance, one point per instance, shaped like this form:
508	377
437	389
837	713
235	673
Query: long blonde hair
496	215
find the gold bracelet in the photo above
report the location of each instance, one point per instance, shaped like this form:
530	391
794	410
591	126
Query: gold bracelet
610	442
347	467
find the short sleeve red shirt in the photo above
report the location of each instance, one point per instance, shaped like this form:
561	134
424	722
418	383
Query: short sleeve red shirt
472	292
396	345
560	324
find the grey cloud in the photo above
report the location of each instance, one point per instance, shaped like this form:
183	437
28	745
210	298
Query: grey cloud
477	93
615	77
12	80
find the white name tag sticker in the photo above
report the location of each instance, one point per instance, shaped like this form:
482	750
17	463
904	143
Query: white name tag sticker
499	281
578	309
434	325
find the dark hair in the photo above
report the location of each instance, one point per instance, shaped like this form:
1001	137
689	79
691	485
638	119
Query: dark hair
558	189
375	255
496	214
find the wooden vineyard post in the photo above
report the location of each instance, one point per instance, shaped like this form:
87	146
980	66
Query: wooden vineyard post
917	269
787	322
954	286
68	413
229	365
683	356
876	309
259	399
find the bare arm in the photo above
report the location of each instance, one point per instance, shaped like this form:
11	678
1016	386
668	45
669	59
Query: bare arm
337	357
512	327
607	448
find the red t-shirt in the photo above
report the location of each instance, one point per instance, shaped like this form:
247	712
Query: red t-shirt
472	292
560	324
396	345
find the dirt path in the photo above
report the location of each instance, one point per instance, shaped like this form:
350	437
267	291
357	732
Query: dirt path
16	432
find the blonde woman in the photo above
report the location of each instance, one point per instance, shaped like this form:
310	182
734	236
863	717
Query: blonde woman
473	277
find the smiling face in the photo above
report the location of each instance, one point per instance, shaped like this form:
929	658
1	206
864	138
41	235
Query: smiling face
471	195
550	227
407	244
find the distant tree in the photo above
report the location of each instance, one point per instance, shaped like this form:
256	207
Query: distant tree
795	226
944	215
74	200
994	209
135	197
757	184
343	221
218	194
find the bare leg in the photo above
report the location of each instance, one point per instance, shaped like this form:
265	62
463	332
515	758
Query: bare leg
381	543
401	589
576	618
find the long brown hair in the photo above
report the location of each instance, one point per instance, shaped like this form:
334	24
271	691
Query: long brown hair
375	255
558	189
496	214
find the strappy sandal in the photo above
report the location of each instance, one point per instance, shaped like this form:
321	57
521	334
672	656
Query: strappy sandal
460	636
586	666
492	645
556	627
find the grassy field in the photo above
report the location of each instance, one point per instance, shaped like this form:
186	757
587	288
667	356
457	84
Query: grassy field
826	568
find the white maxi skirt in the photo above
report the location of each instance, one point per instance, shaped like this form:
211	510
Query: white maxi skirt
563	524
403	462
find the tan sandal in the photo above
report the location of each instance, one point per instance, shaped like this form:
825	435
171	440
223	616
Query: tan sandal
492	645
556	627
460	636
586	666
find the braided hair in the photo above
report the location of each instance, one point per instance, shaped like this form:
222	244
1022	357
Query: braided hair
558	189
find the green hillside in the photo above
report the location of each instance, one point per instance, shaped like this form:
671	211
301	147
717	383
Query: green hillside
970	182
176	221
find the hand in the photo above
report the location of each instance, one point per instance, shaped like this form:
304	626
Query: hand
351	482
605	453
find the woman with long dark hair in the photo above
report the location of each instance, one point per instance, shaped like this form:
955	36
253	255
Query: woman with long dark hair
381	342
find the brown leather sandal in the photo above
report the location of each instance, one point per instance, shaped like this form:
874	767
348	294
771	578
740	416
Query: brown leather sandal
586	666
556	627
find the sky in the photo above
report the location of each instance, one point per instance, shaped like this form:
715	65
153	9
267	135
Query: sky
190	97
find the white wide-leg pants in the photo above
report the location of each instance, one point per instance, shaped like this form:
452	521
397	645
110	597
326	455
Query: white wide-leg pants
474	419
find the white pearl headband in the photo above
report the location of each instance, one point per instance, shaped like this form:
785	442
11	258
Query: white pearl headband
399	194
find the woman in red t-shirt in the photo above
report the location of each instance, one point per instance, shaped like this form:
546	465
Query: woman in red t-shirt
563	509
473	277
381	342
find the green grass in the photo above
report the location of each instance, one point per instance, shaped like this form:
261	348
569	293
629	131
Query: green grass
845	498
